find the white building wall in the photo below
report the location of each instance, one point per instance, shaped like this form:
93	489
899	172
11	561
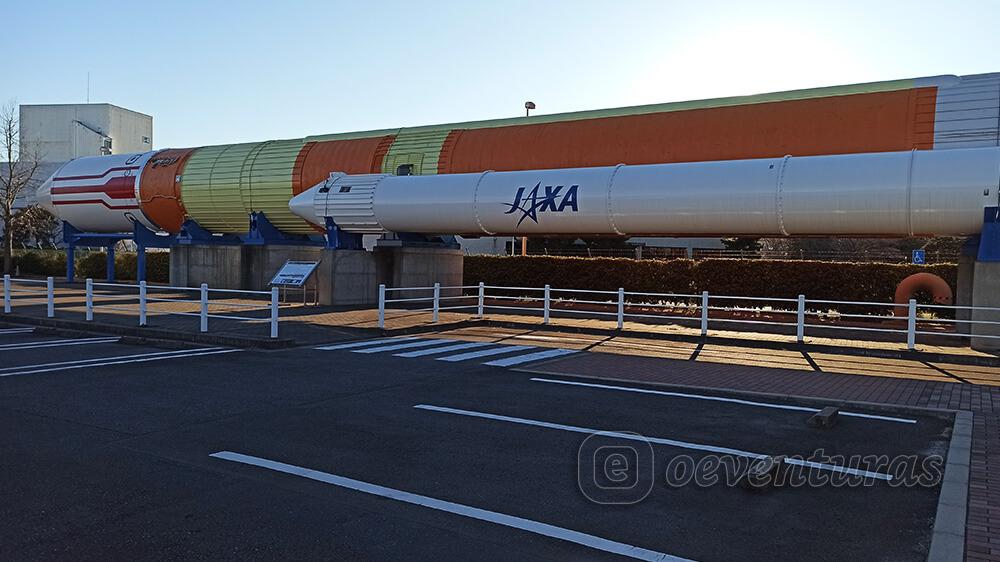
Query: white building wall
66	131
131	131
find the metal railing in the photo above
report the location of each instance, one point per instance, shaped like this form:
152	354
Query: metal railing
700	311
139	296
9	291
434	299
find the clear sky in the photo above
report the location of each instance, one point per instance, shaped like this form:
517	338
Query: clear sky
213	72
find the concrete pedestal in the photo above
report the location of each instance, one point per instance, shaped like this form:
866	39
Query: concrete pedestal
985	292
419	267
963	289
344	277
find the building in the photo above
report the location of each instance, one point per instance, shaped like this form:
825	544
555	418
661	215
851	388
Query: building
62	132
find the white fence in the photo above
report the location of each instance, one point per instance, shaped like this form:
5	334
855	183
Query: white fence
140	296
694	309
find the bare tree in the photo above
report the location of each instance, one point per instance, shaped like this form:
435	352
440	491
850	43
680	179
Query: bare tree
15	176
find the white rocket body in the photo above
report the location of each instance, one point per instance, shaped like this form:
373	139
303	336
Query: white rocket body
940	192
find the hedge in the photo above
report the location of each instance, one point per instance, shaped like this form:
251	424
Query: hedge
753	278
44	263
93	265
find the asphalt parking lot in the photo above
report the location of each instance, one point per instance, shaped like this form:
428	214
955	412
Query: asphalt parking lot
426	448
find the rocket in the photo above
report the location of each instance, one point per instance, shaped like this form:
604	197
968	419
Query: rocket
912	193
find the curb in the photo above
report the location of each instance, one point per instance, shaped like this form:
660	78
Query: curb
948	537
147	333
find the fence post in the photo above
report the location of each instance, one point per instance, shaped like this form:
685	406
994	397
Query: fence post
704	313
6	294
545	306
204	307
911	326
274	312
50	297
800	320
437	301
90	299
142	303
482	298
381	306
621	308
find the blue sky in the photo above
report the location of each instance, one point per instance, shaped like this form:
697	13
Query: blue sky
219	72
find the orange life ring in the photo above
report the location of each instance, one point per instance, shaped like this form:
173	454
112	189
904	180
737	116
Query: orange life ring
938	288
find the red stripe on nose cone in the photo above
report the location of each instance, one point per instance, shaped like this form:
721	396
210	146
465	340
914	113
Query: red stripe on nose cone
122	187
96	202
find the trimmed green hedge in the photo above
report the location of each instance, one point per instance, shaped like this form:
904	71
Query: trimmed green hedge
93	265
44	263
752	278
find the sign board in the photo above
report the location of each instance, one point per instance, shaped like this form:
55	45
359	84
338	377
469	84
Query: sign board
919	257
294	273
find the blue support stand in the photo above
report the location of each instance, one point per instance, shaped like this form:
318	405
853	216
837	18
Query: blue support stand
989	239
193	233
262	232
337	239
145	238
74	237
110	267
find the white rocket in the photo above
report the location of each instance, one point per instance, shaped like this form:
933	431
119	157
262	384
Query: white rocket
921	192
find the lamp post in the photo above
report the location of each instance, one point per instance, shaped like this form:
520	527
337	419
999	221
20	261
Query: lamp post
528	106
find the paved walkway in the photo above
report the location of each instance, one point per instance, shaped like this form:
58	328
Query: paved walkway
315	324
738	355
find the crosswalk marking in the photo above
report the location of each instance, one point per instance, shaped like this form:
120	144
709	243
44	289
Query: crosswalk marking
450	350
445	349
420	343
486	352
362	343
517	360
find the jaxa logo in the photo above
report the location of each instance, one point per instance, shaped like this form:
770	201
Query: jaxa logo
531	203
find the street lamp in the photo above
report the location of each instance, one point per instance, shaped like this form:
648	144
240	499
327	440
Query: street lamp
528	106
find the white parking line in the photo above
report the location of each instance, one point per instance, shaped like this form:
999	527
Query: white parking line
192	353
16	330
544	529
421	343
100	359
445	349
56	343
658	440
486	352
720	399
361	343
538	356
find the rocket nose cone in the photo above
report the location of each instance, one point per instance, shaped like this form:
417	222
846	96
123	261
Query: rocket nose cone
43	196
302	205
